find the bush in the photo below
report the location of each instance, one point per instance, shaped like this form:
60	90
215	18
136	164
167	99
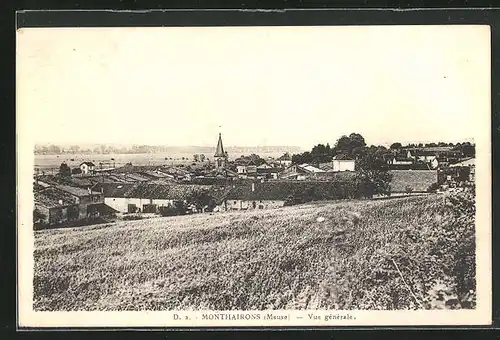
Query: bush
408	189
374	182
433	187
178	208
132	217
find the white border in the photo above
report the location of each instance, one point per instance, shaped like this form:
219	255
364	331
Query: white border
29	318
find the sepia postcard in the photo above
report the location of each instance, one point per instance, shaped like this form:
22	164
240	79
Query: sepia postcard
254	176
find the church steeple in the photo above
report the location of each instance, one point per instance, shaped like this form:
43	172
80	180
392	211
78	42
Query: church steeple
220	155
219	152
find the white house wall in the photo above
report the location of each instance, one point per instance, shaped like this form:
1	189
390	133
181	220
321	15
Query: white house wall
117	203
121	203
248	205
343	165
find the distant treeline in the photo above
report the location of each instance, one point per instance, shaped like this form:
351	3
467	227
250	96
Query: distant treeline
355	147
53	149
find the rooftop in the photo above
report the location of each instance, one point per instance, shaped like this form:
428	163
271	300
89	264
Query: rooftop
79	192
152	190
52	197
468	162
281	190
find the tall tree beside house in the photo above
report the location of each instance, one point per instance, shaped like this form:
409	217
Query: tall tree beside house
372	171
396	146
467	149
38	218
321	153
64	170
301	158
350	146
202	200
256	159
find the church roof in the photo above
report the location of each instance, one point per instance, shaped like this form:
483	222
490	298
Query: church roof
219	152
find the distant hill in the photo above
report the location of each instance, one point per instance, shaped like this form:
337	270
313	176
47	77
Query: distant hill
49	149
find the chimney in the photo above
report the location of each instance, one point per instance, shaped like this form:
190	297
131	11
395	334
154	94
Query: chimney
253	186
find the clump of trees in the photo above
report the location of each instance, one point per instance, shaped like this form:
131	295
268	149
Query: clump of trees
202	200
199	158
253	158
177	208
371	167
346	147
64	170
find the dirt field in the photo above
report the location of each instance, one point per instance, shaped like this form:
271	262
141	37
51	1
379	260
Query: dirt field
51	162
380	254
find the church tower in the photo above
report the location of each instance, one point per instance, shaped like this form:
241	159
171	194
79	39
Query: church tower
220	155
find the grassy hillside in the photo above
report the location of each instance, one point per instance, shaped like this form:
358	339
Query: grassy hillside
386	254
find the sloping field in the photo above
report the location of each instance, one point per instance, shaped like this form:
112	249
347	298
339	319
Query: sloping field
418	180
324	255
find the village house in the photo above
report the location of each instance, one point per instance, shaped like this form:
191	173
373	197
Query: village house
468	164
54	207
87	168
246	169
264	166
146	197
327	167
343	164
428	157
398	160
285	160
90	202
252	196
268	172
425	156
301	172
274	194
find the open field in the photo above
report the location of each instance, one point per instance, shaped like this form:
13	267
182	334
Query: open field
379	254
51	162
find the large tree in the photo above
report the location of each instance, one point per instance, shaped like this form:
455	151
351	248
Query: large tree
350	146
202	200
321	153
396	146
372	171
64	170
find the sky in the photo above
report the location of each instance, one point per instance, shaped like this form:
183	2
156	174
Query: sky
264	86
